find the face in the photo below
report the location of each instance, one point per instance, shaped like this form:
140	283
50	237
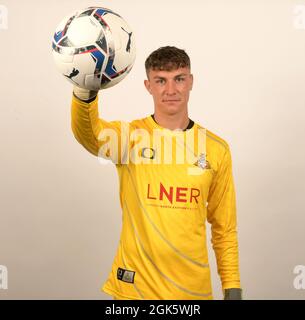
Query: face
170	89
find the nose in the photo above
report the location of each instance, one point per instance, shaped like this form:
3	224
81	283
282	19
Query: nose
170	88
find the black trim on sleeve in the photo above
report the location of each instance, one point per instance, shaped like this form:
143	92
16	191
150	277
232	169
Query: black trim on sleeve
87	101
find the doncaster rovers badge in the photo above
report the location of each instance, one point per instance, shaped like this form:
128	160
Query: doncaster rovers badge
202	162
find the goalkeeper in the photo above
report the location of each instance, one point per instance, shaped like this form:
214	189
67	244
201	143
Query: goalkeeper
162	253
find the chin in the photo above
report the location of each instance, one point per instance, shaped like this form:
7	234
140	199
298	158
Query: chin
172	109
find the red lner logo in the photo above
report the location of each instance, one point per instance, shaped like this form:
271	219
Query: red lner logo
171	194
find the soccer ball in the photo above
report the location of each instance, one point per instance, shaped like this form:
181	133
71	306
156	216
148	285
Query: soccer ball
94	48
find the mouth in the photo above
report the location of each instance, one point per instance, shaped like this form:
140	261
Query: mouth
171	100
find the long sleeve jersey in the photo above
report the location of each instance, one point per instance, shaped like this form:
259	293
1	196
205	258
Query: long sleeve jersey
171	183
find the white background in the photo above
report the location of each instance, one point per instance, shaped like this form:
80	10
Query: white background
60	214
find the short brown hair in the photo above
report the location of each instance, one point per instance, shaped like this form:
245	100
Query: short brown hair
167	58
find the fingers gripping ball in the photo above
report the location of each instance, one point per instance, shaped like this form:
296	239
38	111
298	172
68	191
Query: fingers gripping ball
94	48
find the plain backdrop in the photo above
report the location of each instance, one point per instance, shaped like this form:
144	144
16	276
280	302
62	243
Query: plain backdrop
60	218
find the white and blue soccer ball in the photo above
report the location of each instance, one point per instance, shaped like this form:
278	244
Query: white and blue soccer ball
94	48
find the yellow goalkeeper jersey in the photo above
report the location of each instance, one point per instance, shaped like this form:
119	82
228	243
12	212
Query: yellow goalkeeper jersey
171	183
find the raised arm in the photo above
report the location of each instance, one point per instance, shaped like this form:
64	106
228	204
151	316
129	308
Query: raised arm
99	137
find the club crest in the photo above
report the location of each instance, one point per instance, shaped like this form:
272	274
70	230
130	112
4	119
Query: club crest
202	162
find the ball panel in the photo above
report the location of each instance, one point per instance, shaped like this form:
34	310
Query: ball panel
83	31
63	26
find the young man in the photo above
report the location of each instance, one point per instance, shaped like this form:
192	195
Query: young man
166	198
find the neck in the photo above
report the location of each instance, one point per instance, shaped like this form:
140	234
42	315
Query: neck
172	121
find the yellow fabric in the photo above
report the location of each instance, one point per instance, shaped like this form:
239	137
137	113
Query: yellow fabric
165	208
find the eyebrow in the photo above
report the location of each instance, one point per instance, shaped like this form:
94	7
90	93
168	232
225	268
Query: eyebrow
177	76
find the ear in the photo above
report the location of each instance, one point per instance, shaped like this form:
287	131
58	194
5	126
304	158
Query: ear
147	85
192	79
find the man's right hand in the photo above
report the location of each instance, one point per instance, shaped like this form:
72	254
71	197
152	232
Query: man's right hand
84	94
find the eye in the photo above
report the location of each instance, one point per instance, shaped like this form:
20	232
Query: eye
180	79
160	81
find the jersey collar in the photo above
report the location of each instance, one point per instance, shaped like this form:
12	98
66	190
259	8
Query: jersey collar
189	126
